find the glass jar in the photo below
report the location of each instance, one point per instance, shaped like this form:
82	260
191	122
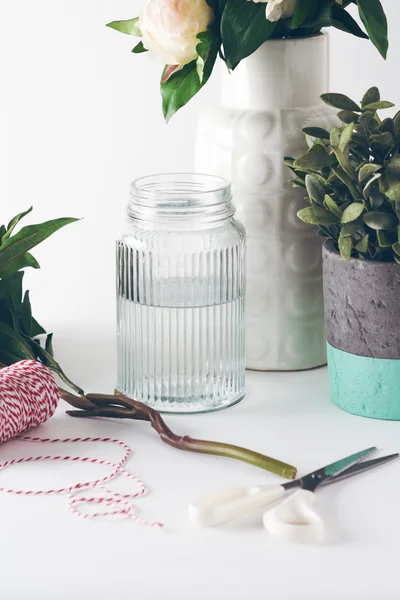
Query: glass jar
180	295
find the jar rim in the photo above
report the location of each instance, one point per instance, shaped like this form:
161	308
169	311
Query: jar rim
180	195
177	184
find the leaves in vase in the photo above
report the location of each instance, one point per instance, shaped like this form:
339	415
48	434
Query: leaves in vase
130	27
375	22
343	20
305	9
244	28
139	48
182	85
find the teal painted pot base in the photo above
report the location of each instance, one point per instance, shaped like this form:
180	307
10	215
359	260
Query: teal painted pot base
364	386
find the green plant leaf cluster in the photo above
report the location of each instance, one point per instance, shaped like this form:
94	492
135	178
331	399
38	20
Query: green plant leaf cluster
241	26
351	175
21	336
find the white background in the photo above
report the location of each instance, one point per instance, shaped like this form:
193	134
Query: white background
80	117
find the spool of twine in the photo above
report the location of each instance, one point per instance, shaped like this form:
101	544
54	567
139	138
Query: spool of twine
28	397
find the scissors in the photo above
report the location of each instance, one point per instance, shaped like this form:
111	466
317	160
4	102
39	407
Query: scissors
294	519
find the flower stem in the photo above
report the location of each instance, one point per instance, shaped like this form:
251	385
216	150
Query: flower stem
121	407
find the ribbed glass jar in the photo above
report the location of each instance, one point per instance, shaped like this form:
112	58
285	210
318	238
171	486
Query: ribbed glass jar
180	295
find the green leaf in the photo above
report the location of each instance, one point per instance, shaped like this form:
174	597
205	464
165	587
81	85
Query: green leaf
387	125
345	163
396	248
347	116
394	166
2	232
49	344
396	123
315	189
381	220
371	185
376	198
316	158
317	132
28	237
345	246
348	181
374	19
184	84
340	101
362	245
13	343
342	20
26	260
367	171
386	239
26	315
346	136
370	96
130	27
352	212
367	118
244	28
383	140
392	187
381	105
335	137
316	215
139	48
13	223
331	205
11	289
305	9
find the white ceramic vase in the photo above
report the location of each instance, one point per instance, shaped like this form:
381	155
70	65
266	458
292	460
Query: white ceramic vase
265	103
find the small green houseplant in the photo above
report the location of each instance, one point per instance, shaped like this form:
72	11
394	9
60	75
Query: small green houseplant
351	175
188	36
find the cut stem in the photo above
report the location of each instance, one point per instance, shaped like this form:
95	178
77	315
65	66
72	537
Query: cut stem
121	407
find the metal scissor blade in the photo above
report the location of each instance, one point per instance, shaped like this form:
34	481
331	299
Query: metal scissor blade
341	465
313	480
360	467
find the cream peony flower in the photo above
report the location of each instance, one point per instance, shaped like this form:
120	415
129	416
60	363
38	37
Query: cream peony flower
170	28
280	9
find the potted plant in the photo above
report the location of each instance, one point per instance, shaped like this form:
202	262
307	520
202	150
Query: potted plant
276	62
352	178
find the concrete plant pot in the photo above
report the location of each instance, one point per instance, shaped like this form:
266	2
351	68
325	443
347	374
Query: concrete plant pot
362	321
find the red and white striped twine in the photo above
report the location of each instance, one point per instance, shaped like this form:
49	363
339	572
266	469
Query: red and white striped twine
26	405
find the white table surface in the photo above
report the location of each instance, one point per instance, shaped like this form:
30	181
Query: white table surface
49	554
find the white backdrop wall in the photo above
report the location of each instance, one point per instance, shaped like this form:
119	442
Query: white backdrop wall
80	117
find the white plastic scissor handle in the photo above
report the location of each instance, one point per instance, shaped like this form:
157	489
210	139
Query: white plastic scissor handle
225	505
295	520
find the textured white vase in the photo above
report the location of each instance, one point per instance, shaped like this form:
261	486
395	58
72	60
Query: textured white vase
265	103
